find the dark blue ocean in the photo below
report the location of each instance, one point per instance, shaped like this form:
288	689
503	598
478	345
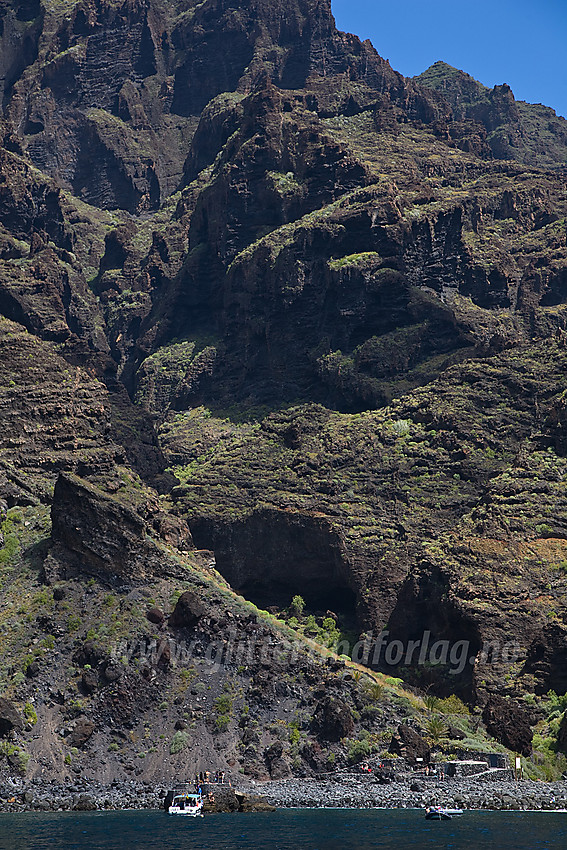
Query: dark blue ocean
295	829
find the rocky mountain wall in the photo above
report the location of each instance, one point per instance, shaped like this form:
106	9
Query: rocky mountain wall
275	322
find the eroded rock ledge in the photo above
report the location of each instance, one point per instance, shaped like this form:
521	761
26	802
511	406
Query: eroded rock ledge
93	533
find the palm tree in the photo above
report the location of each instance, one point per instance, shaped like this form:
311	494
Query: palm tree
436	729
431	702
375	691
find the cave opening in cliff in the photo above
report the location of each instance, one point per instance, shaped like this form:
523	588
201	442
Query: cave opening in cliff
273	556
319	599
429	640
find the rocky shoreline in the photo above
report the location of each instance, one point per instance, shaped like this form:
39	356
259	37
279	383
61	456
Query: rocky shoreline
367	792
79	796
348	791
85	796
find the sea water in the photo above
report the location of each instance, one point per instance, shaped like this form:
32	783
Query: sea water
286	829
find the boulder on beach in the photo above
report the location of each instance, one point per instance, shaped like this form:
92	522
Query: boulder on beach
409	744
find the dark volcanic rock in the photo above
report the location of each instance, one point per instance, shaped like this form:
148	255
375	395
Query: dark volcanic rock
103	536
409	744
90	653
455	734
275	761
112	672
227	799
10	718
547	659
155	615
333	719
562	735
82	731
508	723
253	803
85	803
89	681
187	612
32	670
163	654
224	801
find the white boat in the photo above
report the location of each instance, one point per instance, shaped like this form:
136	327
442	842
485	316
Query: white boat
190	805
441	813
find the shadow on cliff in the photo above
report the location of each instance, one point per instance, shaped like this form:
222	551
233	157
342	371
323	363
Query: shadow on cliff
271	556
445	641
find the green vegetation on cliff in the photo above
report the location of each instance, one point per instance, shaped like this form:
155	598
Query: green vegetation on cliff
282	365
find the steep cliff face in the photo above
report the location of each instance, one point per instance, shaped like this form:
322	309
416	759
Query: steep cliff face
55	417
442	514
265	301
531	133
378	289
122	84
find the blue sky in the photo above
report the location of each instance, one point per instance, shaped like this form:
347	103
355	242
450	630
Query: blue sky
519	42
